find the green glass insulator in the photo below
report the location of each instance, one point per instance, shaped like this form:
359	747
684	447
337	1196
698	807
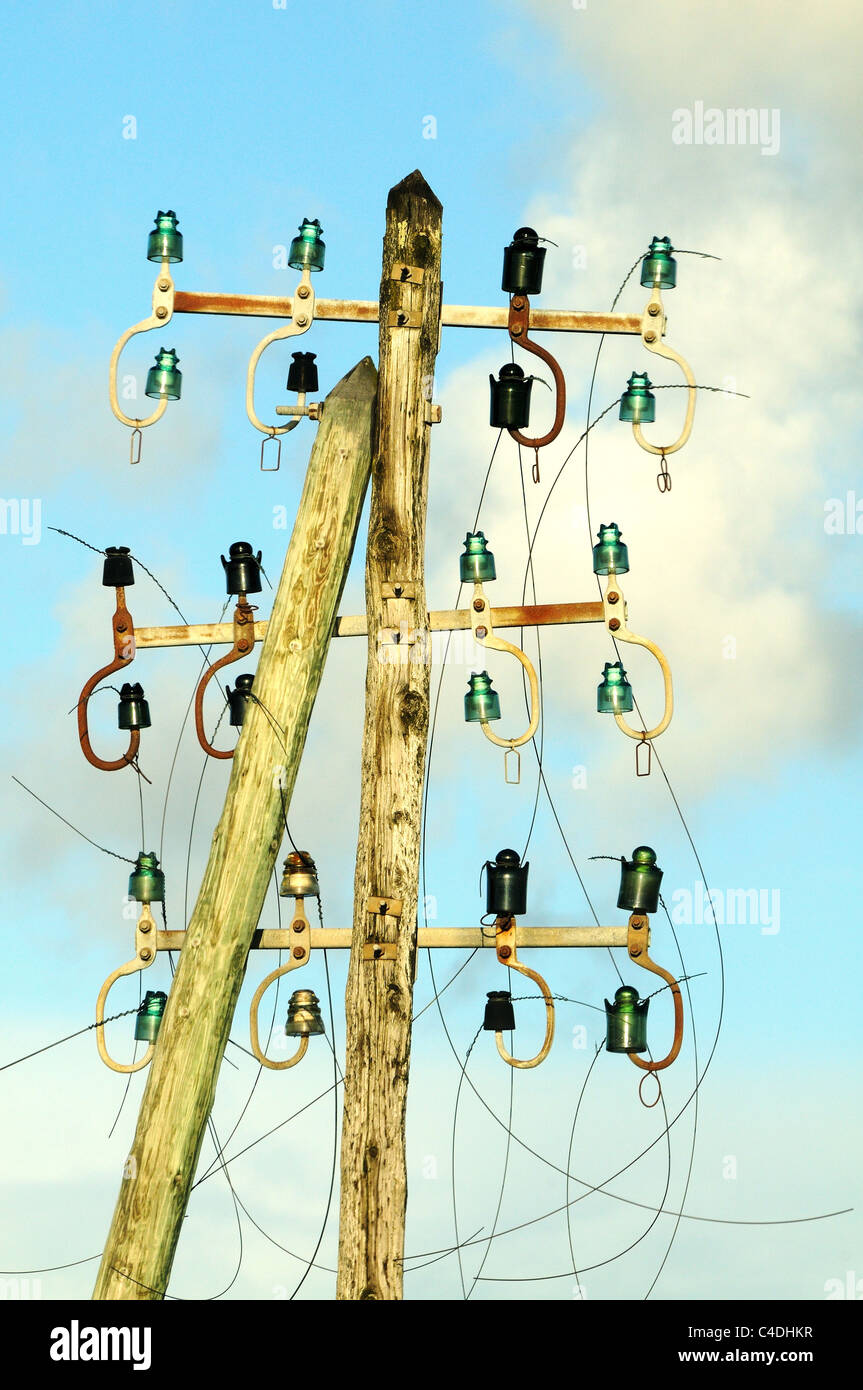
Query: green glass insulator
626	1022
481	703
146	881
638	403
476	565
614	694
659	266
165	379
149	1019
640	878
308	249
165	243
610	554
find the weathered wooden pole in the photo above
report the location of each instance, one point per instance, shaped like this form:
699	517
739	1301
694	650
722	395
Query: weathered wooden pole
136	1263
380	984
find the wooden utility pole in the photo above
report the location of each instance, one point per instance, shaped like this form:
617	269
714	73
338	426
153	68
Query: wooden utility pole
380	981
180	1090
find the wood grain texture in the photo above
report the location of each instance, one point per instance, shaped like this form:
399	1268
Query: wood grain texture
380	993
138	1255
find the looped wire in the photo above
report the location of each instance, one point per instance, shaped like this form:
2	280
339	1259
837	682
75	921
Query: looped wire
663	477
535	469
268	439
135	452
644	743
648	1105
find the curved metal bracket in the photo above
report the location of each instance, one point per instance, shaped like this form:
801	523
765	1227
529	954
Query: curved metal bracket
244	641
614	606
483	633
124	652
638	939
302	317
145	954
506	954
652	329
300	952
519	327
163	312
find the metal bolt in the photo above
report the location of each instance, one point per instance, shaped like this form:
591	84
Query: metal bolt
145	953
298	952
517	330
653	310
302	320
121	627
504	952
144	926
303	292
518	302
479	604
298	925
161	312
482	632
635	950
650	337
612	597
613	624
163	284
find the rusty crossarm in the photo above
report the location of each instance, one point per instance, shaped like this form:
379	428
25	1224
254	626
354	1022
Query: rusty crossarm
366	311
448	620
457	938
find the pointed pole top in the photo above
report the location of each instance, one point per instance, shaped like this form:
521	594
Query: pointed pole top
412	188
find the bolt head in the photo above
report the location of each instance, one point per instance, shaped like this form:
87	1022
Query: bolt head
298	952
614	624
161	312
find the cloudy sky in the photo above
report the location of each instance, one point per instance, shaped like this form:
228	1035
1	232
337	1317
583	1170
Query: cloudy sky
600	124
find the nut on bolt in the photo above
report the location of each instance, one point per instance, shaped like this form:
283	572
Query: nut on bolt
298	952
613	624
504	952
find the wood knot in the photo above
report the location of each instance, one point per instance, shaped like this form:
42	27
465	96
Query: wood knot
413	711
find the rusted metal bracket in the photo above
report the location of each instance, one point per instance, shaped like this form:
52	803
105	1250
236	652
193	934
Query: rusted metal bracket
399	589
124	652
407	274
407	313
244	641
638	940
505	946
301	947
519	325
380	950
384	907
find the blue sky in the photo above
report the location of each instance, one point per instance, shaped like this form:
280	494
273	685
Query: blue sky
246	121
